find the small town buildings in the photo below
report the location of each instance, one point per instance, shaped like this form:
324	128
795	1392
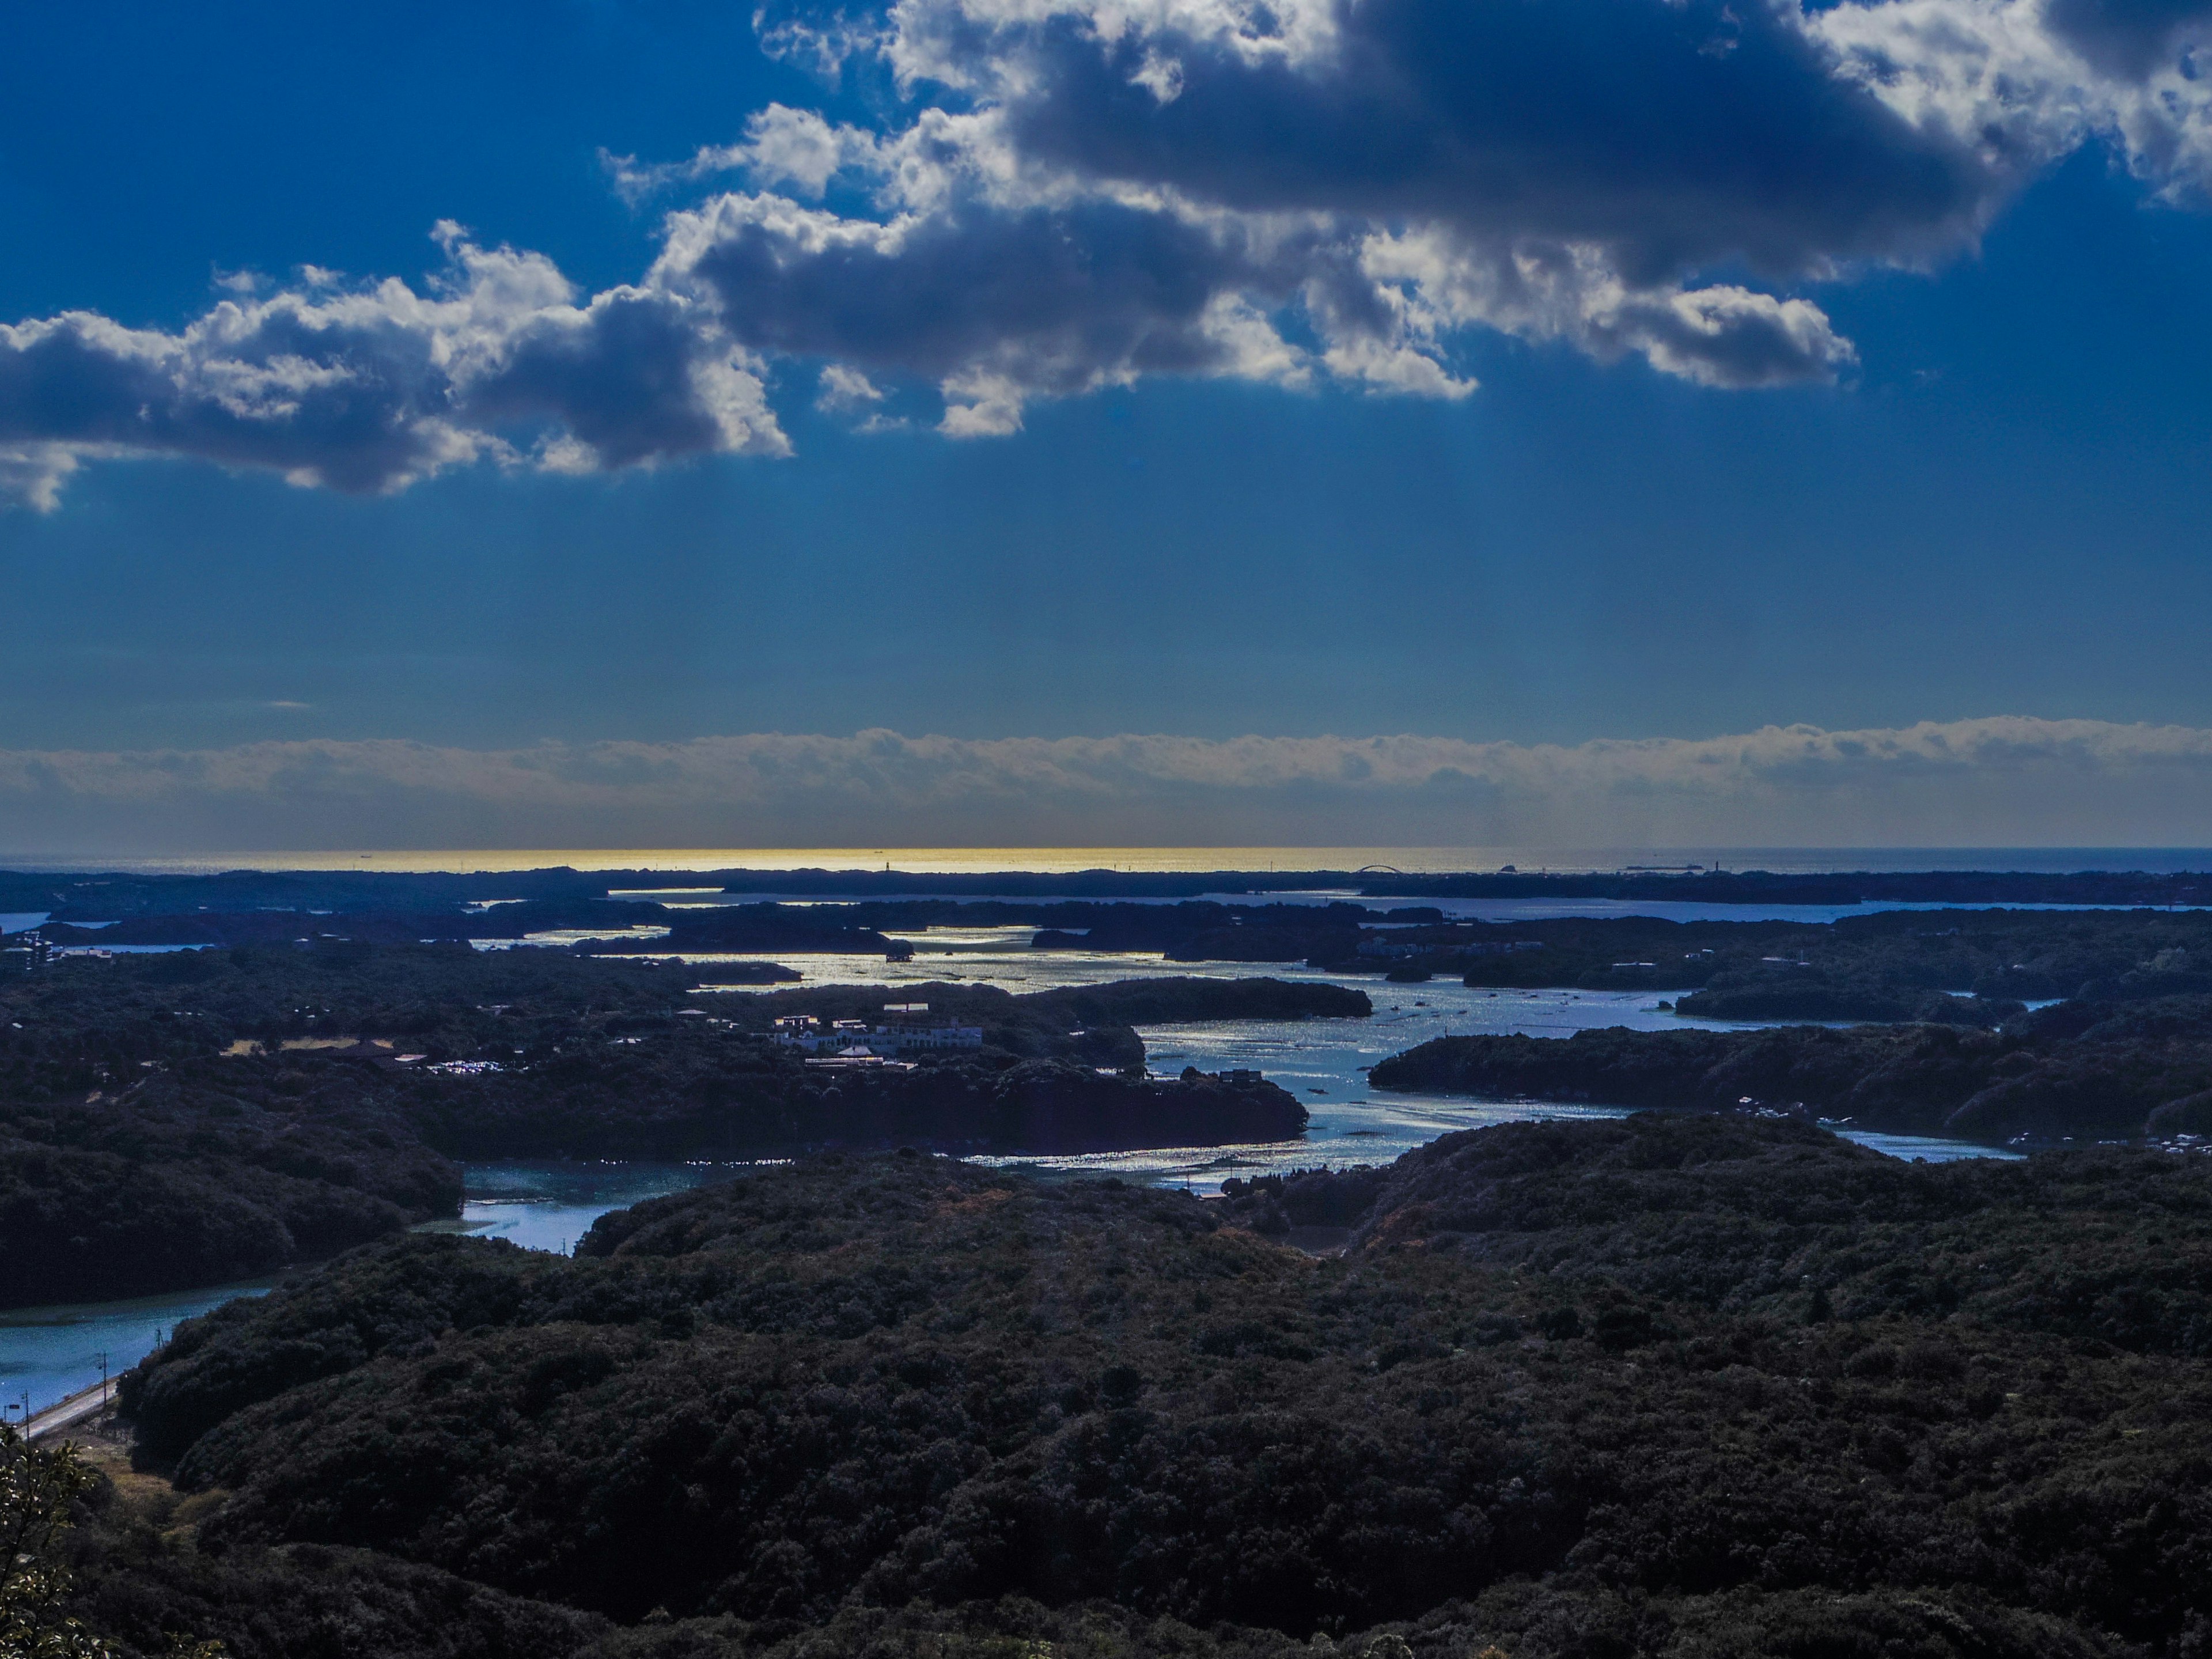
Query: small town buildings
906	1028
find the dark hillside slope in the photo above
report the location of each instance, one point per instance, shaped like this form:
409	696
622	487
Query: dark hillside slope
165	1184
1707	1384
2109	1245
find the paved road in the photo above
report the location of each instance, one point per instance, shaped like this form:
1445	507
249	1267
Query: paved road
63	1414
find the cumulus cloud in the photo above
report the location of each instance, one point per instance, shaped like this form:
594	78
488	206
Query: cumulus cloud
2014	781
1081	193
844	390
372	386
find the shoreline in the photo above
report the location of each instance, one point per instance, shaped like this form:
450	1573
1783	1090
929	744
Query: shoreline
71	1409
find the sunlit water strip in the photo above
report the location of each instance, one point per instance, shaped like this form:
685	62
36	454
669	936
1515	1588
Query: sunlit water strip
48	1352
1001	957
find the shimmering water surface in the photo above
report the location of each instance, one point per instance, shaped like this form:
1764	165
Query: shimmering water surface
987	955
549	1206
47	1353
1325	1062
1002	957
52	1352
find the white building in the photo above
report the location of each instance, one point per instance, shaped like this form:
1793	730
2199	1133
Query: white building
906	1030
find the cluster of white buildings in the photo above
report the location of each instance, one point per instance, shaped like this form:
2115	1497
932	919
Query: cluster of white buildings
1396	950
906	1028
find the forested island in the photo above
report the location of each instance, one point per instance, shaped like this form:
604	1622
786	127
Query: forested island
1676	1384
1883	965
1961	967
2082	1071
174	1121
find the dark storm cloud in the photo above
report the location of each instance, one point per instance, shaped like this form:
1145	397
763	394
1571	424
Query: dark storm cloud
2129	38
342	408
632	377
1059	291
1055	297
1675	135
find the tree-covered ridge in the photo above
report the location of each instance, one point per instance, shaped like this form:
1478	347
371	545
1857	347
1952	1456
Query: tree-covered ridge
1686	1385
172	1184
1889	965
2082	1071
1796	1223
157	1133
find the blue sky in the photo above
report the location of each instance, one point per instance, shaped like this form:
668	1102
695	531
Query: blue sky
1938	454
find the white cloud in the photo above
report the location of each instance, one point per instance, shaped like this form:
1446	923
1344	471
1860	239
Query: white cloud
782	146
845	390
2008	781
821	44
980	404
1083	193
369	388
35	471
2023	82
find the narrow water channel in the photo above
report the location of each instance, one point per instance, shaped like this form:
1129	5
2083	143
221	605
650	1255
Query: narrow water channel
47	1353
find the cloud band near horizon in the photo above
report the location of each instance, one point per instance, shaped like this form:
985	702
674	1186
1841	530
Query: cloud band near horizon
2008	781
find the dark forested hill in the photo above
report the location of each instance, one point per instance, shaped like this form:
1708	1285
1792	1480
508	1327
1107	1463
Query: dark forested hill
2085	1071
1682	1385
171	1184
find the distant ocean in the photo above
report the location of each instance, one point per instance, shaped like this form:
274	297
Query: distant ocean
930	861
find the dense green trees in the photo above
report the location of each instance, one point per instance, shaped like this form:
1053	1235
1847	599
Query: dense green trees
179	1180
1704	1384
37	1489
2085	1069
